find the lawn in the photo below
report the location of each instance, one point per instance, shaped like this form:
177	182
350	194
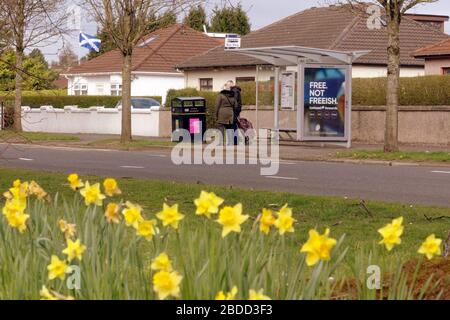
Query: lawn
118	258
416	156
13	137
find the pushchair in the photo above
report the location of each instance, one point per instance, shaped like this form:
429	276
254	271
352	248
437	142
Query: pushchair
246	128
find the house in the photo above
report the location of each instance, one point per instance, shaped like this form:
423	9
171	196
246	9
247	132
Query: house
332	27
154	63
437	57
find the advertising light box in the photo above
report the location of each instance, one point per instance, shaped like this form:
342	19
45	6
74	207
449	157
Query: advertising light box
324	103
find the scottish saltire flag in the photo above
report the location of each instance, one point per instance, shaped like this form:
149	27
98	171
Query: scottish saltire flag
90	42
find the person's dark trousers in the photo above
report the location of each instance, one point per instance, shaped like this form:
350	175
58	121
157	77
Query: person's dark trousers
223	130
236	133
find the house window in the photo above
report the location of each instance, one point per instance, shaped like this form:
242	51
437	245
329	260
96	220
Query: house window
80	89
240	80
100	89
446	70
206	84
116	89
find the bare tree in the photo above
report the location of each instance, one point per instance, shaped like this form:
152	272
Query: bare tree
32	23
394	11
127	22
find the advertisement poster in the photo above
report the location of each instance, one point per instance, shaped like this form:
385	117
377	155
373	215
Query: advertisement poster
324	113
287	90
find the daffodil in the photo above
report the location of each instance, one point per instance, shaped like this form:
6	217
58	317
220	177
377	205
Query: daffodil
318	247
92	194
162	263
69	229
132	214
170	216
112	213
75	182
74	250
46	294
57	268
111	187
267	220
36	190
285	221
19	190
147	229
257	295
167	284
52	295
227	296
231	219
207	203
431	247
391	233
18	220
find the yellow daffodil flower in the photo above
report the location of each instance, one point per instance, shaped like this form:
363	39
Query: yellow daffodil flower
318	247
391	233
162	263
18	220
132	214
74	250
36	190
57	268
227	296
284	221
46	294
257	295
112	213
147	229
231	219
92	194
167	284
431	247
69	229
75	182
111	187
267	220
207	203
170	216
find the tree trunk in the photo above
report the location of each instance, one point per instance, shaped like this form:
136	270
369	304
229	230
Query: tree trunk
393	77
17	126
126	99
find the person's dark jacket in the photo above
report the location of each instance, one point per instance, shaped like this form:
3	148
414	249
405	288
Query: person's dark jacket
237	95
225	105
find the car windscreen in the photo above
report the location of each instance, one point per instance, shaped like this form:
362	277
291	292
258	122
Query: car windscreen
144	103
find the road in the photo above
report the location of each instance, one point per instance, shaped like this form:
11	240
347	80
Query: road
405	184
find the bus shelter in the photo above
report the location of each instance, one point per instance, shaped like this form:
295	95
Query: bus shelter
317	83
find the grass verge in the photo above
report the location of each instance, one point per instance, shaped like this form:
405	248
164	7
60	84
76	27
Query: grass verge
416	156
345	216
135	144
10	136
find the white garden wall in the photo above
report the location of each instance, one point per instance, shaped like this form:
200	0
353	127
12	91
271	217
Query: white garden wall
96	120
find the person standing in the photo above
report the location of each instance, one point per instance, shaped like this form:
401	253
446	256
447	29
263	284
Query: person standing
225	113
237	108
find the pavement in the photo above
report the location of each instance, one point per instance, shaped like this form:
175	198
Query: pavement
408	184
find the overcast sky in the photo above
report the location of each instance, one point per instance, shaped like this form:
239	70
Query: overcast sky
261	13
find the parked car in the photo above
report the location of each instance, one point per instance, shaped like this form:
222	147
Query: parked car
142	103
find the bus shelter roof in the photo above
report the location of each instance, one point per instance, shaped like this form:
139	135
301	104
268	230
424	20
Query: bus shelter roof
293	55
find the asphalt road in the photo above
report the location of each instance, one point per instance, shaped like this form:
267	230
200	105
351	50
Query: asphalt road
405	184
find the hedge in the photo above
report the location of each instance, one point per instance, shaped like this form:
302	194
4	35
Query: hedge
415	91
60	101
